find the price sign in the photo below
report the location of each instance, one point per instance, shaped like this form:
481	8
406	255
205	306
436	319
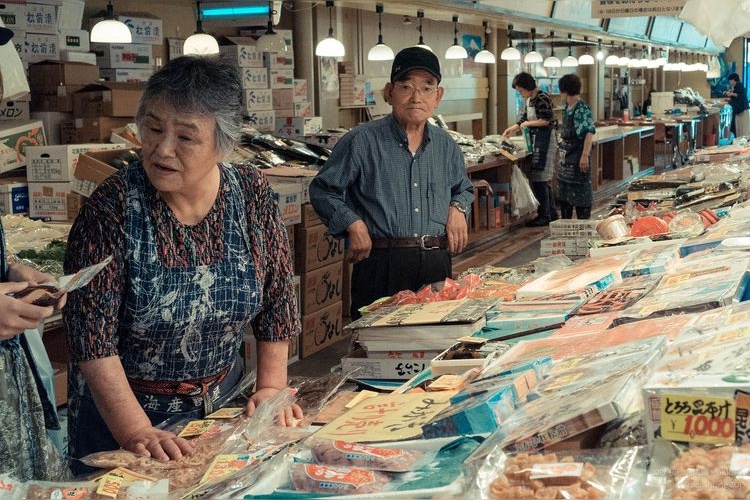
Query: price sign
698	419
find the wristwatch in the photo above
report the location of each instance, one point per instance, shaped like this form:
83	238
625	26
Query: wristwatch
457	205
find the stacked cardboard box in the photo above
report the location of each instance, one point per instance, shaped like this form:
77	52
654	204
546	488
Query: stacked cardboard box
351	86
257	97
319	262
569	237
99	108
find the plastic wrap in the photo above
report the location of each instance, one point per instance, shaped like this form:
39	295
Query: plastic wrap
340	453
584	474
11	489
314	393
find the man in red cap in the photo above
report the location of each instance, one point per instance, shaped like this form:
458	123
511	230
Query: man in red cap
397	188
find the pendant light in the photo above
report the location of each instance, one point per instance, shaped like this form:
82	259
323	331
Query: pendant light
456	51
570	61
380	51
510	53
270	41
533	57
484	56
624	60
587	59
635	62
599	52
645	60
200	43
552	61
330	47
420	43
110	30
612	59
671	66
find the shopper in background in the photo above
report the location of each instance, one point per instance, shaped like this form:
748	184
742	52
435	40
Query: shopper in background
538	118
398	188
738	100
200	255
574	190
26	451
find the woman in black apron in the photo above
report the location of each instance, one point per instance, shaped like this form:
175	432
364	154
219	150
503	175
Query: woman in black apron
574	190
538	118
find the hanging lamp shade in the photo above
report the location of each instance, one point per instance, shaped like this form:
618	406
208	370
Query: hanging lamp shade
510	53
456	51
624	59
380	51
586	59
420	43
484	56
200	42
533	57
552	61
270	41
599	51
330	46
570	61
110	30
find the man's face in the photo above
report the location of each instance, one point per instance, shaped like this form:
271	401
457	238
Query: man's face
415	98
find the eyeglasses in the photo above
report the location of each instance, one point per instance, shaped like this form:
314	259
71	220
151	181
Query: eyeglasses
406	88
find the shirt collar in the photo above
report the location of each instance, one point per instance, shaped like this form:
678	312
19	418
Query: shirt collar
400	133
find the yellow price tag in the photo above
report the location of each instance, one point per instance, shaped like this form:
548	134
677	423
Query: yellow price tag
697	418
229	412
109	486
196	428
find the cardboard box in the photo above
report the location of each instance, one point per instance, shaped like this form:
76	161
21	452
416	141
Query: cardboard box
51	74
93	129
128	55
254	78
255	33
51	201
309	216
298	126
280	78
242	51
282	98
316	248
15	110
346	296
300	89
125	74
58	99
382	368
41	47
13	15
51	121
78	57
107	99
145	27
322	287
301	177
257	99
322	329
69	14
58	163
303	109
14	196
92	169
288	197
263	121
279	60
74	41
41	18
15	137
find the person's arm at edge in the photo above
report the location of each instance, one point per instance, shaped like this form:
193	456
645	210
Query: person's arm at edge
462	192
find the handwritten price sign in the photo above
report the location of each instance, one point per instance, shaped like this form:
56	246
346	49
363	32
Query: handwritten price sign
698	419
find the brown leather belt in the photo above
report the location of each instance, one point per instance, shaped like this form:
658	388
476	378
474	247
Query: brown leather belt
425	242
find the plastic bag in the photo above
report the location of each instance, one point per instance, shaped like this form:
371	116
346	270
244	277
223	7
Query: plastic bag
524	201
343	454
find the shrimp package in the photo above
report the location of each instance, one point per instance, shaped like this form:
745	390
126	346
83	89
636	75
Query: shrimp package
342	453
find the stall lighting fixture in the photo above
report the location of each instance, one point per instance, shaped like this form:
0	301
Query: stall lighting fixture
420	43
570	61
552	61
270	41
635	62
200	42
599	52
239	11
612	59
510	53
380	51
110	29
586	59
484	56
624	60
456	51
330	47
533	57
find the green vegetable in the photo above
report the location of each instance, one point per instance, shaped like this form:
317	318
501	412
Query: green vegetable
55	250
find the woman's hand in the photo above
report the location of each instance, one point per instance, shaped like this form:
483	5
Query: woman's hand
20	272
288	417
16	315
158	444
510	130
584	163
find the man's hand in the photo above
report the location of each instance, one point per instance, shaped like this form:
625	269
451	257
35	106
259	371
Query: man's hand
158	444
15	314
360	243
457	230
288	417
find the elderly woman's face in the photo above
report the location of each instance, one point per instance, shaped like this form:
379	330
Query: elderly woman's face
179	149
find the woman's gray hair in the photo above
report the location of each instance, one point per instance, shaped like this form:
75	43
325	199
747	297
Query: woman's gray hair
208	86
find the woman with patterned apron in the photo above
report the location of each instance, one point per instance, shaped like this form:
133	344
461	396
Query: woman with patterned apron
200	255
574	190
538	120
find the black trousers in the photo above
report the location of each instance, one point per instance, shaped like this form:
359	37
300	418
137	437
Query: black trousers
543	193
566	211
390	270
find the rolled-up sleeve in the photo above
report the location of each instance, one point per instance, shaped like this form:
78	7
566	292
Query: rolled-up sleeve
328	188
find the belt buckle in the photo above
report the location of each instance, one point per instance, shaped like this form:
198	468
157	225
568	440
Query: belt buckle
425	247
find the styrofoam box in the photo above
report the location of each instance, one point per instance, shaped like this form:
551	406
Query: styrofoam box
41	18
255	78
40	47
278	60
14	198
125	74
74	41
572	228
242	52
280	78
13	15
14	110
78	57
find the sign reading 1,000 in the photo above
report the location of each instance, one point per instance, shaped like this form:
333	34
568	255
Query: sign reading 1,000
700	419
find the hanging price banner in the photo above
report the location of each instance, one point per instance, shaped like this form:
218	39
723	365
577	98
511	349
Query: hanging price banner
632	8
698	419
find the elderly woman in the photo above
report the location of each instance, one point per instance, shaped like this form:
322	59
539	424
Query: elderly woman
574	190
200	255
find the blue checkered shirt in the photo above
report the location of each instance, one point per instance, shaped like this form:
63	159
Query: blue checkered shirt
372	175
